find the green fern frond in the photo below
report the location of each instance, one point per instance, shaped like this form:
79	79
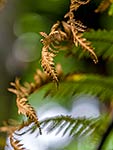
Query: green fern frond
102	40
95	85
67	125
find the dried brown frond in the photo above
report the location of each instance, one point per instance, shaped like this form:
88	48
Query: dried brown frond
51	44
11	126
27	110
23	92
103	5
71	32
9	129
16	143
86	45
48	64
75	4
14	132
18	89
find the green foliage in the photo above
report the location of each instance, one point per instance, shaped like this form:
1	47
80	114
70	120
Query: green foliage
82	84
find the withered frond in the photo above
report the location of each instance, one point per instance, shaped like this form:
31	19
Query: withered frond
26	89
16	144
18	89
48	64
26	109
23	91
76	29
8	128
50	49
86	45
75	4
103	5
13	130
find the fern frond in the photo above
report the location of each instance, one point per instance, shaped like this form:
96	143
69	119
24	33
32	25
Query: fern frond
101	87
50	49
86	45
102	40
103	5
16	144
14	131
22	93
18	89
27	110
9	127
70	126
48	64
75	4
